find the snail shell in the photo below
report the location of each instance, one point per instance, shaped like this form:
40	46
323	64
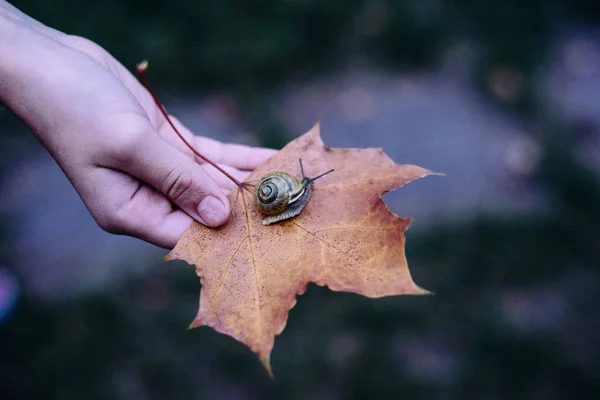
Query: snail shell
281	196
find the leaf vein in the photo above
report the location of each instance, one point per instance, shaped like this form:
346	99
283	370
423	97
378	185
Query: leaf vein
353	227
345	253
222	278
260	321
276	269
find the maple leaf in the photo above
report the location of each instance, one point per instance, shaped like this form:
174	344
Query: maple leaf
345	238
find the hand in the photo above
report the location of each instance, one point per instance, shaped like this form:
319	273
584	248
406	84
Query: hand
133	173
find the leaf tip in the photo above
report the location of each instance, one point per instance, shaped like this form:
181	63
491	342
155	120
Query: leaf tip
316	130
195	323
266	361
423	292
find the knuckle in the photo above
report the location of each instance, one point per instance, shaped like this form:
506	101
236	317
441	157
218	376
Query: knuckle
84	45
111	223
114	217
76	41
128	139
123	218
177	184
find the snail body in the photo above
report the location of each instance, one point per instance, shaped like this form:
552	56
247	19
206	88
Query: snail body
282	196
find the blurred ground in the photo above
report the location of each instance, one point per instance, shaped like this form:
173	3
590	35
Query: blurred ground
508	108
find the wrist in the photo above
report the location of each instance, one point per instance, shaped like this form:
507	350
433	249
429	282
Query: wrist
22	44
9	25
9	32
10	64
12	21
20	35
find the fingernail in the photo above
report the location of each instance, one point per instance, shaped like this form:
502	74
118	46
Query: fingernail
212	211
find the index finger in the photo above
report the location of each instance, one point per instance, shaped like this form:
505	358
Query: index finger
239	156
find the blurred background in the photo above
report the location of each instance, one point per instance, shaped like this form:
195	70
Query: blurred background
504	97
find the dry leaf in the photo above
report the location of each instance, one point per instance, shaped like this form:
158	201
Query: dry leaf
345	238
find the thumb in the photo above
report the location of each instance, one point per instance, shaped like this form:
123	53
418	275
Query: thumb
179	178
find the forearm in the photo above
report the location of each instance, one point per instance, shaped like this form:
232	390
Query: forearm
16	32
10	24
26	48
15	73
11	17
9	12
19	32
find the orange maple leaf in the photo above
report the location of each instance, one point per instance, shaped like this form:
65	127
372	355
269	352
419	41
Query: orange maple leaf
345	238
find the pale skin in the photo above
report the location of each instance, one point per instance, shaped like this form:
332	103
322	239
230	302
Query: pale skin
134	174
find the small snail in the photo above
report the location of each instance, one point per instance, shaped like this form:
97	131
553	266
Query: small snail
281	196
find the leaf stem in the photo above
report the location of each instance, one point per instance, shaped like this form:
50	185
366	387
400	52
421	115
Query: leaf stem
141	68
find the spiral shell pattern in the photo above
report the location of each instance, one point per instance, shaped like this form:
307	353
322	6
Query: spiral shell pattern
273	192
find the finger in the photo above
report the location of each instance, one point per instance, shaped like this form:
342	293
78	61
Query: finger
221	179
122	204
166	131
154	224
169	229
179	178
235	155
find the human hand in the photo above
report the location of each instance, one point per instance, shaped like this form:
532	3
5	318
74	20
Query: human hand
133	173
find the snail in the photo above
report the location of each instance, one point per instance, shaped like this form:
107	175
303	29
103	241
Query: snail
281	196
